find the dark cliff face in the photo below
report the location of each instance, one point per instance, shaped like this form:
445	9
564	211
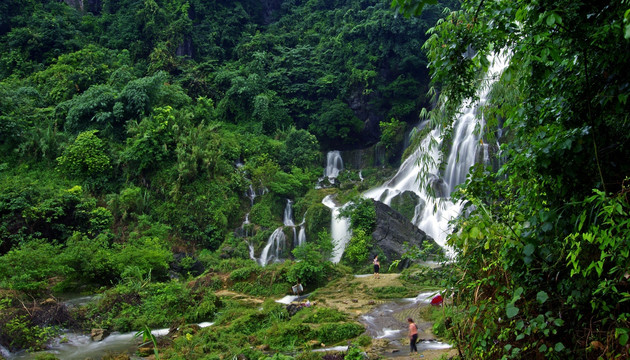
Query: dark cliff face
393	230
269	7
93	6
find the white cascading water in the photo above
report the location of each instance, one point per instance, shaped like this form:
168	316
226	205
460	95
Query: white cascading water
287	220
339	230
301	240
334	164
277	240
251	194
433	215
273	249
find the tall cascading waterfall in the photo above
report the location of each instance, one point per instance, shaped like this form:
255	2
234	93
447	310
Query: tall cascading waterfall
334	164
432	215
339	230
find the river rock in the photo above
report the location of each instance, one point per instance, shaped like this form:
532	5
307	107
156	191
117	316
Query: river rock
98	334
392	230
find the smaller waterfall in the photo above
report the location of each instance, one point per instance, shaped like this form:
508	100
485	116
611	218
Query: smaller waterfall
287	219
4	352
301	236
339	230
301	239
251	194
334	164
252	254
274	247
245	226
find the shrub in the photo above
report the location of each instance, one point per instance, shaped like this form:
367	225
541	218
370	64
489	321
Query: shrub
29	267
85	158
285	336
318	315
333	333
243	273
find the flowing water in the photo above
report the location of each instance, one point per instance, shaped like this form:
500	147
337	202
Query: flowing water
77	346
276	243
388	321
420	174
334	164
339	229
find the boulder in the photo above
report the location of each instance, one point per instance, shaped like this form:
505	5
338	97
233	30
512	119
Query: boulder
405	203
98	334
392	230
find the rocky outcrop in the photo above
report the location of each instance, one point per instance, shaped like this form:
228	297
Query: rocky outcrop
98	334
405	203
93	6
184	264
392	230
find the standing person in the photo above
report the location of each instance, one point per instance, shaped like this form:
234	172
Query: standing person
377	266
413	336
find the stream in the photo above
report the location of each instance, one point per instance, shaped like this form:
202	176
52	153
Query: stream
79	346
389	321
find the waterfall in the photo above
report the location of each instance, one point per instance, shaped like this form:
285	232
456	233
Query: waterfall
273	249
301	239
251	194
334	164
252	254
287	219
433	214
301	236
339	230
4	352
245	227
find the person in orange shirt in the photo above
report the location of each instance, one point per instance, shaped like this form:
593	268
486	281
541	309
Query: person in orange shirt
413	336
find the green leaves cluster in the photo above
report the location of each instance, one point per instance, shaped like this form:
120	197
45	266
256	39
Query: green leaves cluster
531	251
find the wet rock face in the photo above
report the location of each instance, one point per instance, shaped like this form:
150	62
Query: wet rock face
392	230
93	6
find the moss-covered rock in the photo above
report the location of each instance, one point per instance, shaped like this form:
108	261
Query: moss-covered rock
405	203
317	219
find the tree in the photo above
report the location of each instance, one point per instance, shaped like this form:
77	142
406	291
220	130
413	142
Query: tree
560	99
86	159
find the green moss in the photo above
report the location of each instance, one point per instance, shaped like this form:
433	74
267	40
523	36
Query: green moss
405	203
317	219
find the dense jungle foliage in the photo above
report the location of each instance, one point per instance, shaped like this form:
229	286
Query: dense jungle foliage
136	137
543	256
131	125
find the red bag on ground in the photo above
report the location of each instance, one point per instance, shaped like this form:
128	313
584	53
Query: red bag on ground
437	300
